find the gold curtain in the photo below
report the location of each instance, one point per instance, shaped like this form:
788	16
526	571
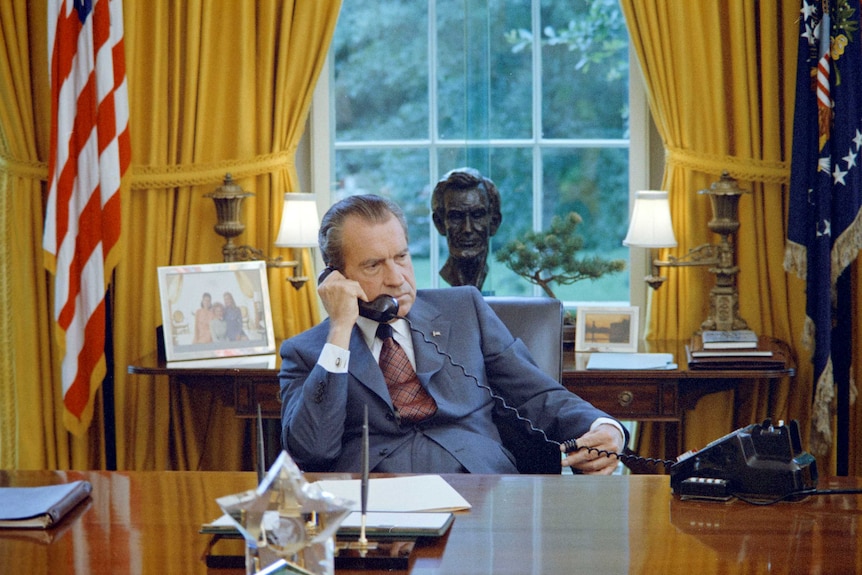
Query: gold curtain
720	78
214	87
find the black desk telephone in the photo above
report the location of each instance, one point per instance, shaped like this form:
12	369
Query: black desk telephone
383	308
764	462
759	463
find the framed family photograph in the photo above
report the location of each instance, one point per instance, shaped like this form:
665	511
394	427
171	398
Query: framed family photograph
607	329
215	311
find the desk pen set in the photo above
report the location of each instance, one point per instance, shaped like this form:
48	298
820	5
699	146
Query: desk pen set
289	525
365	554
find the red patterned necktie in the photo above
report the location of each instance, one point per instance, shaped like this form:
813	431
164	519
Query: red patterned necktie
408	396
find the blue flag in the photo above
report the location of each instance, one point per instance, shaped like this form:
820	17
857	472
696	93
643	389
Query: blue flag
824	232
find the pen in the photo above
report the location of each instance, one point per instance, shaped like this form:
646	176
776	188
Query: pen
364	482
261	448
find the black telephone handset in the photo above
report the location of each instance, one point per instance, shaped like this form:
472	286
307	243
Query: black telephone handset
383	308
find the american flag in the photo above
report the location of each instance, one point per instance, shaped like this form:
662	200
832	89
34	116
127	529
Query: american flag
825	222
90	152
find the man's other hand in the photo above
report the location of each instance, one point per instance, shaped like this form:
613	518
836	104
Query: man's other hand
605	437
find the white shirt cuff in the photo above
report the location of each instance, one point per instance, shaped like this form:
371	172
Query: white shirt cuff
613	422
333	358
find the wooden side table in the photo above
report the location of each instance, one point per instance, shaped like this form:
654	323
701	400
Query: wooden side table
660	395
241	388
244	387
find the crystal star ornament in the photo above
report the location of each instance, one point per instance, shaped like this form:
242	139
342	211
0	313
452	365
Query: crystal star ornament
287	519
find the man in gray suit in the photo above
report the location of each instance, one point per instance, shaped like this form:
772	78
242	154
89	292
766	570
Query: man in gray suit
465	361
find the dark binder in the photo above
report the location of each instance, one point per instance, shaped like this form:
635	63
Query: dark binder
40	507
754	359
383	525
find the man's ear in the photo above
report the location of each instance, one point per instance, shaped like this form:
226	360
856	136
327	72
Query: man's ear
496	219
438	223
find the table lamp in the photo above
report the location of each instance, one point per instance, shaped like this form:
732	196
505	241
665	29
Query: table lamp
299	226
651	227
298	229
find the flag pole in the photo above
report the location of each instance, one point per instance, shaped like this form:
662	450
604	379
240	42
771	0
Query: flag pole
108	404
842	354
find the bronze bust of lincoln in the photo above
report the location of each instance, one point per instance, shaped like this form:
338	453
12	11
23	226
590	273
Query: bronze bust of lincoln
466	210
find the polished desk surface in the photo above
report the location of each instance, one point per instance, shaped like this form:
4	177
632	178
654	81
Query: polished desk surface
148	522
255	366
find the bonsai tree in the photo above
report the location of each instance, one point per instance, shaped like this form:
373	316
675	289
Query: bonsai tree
544	258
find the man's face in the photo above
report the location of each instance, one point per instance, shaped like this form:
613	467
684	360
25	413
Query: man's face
377	256
468	223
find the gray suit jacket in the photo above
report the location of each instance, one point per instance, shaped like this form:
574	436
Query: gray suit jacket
466	359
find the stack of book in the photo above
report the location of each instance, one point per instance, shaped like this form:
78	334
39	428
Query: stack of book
737	349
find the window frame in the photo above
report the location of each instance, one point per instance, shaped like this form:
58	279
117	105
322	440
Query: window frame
645	167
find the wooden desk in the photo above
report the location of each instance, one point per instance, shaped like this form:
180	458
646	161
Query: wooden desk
148	522
626	394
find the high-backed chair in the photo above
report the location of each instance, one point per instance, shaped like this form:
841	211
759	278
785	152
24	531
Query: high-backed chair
538	322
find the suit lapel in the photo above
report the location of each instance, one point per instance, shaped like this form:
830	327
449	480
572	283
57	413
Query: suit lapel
430	331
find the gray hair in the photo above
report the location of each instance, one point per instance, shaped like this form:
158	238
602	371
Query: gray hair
368	207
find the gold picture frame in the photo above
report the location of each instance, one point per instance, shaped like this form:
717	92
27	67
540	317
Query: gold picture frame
214	311
607	329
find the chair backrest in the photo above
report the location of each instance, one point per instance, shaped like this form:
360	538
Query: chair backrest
538	322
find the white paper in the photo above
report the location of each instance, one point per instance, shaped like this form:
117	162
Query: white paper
631	361
411	493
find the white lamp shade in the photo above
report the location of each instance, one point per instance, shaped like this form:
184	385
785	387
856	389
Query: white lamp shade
650	226
299	222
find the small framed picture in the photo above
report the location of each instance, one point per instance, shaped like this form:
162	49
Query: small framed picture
215	311
607	329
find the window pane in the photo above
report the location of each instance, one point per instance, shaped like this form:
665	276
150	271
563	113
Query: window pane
594	183
511	170
484	86
584	70
381	71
